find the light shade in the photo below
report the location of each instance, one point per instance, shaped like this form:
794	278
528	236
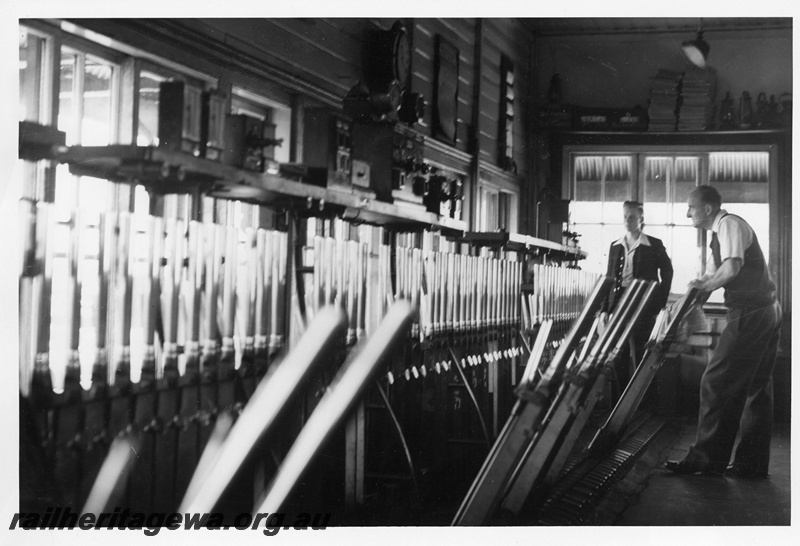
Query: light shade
696	50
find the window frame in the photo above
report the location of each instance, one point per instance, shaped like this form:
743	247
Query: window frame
510	221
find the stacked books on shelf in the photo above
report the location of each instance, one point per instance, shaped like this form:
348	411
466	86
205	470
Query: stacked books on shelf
698	97
664	98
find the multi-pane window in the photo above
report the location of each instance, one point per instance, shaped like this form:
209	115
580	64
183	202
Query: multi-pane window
88	96
601	184
666	184
506	115
742	179
88	113
662	182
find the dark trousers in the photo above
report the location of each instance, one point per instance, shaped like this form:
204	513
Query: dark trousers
736	391
632	352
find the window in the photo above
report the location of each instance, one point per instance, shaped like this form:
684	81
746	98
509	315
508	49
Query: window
87	98
35	58
666	184
270	111
600	183
506	115
149	79
147	126
33	49
742	179
497	209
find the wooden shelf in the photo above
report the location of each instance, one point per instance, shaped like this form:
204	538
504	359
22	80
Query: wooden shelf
523	243
168	172
274	190
652	139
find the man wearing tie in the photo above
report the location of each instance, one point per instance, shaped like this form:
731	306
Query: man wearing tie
736	387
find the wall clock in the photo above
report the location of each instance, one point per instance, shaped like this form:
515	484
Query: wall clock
388	58
401	54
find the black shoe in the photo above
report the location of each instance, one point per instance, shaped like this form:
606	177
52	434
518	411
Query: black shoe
736	471
687	467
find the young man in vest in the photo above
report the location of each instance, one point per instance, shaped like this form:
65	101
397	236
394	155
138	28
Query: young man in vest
637	256
736	387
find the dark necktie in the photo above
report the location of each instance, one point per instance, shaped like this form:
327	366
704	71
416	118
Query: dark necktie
715	249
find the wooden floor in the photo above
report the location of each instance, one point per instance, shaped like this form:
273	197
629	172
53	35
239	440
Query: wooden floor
653	496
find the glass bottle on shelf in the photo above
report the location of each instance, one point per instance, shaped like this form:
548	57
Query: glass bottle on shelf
745	111
785	109
761	115
772	111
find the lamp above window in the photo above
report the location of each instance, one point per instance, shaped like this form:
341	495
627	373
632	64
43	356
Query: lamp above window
697	50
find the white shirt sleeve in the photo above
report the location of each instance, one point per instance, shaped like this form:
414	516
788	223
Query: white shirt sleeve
734	236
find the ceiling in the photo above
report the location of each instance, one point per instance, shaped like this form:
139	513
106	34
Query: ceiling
562	26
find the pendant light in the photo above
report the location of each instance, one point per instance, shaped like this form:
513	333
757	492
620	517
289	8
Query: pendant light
697	50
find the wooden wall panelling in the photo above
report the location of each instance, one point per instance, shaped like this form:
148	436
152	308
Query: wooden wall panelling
165	38
446	119
489	108
466	78
195	45
505	37
324	52
422	43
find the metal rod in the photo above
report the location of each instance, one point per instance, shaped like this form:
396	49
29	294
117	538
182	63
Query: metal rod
402	437
472	397
73	369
